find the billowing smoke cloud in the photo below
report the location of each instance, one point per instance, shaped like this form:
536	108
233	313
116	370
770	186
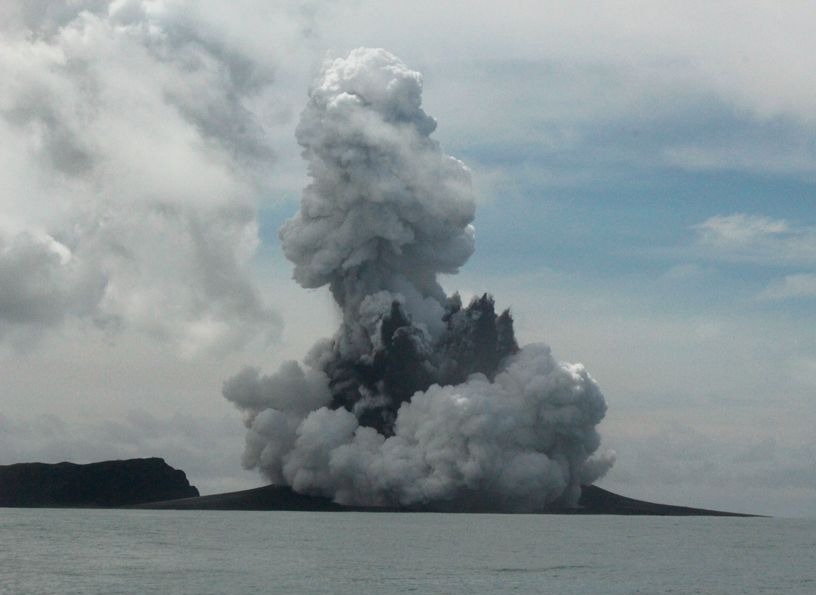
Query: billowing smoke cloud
133	147
418	398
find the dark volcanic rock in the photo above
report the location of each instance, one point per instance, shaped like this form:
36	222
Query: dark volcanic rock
105	484
594	500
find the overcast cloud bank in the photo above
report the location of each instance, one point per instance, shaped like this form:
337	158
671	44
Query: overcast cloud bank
134	144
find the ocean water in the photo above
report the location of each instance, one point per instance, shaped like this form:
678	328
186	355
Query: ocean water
194	552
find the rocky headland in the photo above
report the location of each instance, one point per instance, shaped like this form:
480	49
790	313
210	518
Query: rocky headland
106	484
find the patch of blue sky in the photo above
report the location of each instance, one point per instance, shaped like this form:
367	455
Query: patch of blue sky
640	230
648	216
616	201
638	235
271	215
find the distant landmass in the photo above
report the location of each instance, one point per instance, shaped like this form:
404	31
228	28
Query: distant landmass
153	484
104	485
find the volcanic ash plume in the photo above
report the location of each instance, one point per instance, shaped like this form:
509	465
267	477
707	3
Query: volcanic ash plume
418	398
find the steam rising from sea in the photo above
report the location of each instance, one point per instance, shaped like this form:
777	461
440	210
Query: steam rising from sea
418	398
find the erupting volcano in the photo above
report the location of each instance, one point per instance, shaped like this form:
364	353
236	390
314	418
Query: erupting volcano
418	398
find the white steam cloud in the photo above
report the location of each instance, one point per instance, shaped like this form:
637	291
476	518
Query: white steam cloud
133	149
417	399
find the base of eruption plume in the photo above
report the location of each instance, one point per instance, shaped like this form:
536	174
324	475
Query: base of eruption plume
593	501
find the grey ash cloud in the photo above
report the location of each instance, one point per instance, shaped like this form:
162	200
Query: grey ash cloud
417	397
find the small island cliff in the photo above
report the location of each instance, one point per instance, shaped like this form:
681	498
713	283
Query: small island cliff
105	484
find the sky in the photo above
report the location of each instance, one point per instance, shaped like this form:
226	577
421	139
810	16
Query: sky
644	172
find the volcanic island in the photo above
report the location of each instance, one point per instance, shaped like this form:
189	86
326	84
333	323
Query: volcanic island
153	484
422	401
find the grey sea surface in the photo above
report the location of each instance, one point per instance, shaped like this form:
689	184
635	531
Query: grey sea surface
53	551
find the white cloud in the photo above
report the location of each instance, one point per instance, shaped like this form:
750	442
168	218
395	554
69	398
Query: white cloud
802	285
783	155
127	124
135	136
756	239
740	229
691	85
